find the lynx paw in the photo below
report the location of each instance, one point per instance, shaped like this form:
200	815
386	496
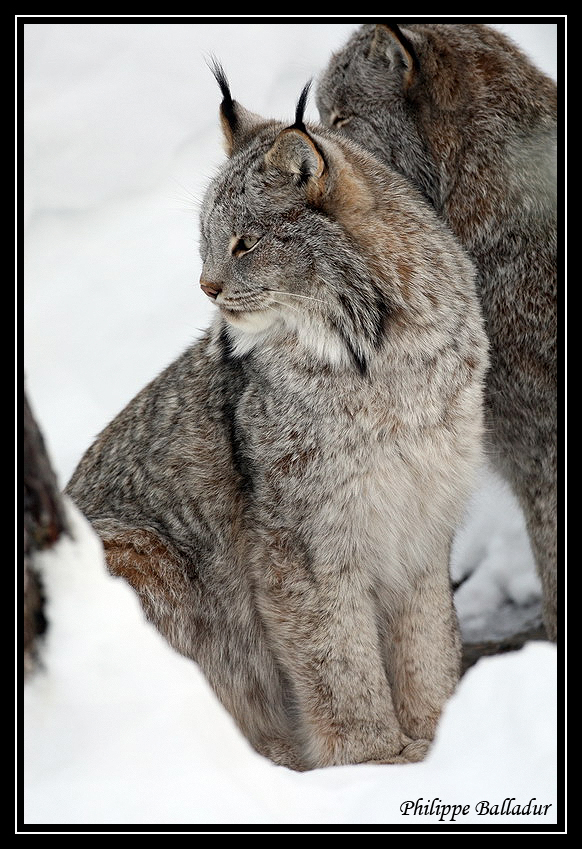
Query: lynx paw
415	751
412	753
282	754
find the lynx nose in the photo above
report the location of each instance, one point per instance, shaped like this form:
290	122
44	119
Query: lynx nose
213	290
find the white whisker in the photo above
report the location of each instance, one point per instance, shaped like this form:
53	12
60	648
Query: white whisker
295	295
283	304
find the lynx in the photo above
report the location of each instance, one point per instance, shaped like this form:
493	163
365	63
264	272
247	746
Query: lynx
282	497
461	112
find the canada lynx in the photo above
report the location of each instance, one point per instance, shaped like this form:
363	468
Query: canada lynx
283	496
472	122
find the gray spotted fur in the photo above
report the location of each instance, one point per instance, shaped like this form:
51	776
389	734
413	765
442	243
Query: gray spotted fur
283	496
467	117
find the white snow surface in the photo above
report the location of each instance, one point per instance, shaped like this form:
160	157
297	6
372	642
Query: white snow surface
121	136
120	729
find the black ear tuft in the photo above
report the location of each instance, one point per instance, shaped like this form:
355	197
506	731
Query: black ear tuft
227	106
404	41
396	39
296	153
300	109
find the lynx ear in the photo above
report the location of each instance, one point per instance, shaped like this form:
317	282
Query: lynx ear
389	41
236	121
294	152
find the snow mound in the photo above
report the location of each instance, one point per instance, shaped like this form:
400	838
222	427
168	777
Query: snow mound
119	729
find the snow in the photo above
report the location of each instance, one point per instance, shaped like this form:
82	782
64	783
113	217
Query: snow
121	136
122	730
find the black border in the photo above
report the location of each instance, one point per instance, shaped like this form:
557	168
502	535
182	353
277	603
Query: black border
233	828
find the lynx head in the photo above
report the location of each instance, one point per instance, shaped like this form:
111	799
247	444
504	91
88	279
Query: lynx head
279	238
433	99
371	91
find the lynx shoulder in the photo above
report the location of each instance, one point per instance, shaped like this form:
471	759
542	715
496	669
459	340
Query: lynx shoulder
465	115
283	496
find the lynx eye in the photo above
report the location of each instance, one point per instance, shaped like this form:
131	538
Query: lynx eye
243	244
340	120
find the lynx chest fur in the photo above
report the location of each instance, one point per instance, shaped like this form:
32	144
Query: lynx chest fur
347	462
283	496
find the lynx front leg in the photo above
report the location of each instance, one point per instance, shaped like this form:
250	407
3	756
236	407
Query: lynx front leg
424	653
322	627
